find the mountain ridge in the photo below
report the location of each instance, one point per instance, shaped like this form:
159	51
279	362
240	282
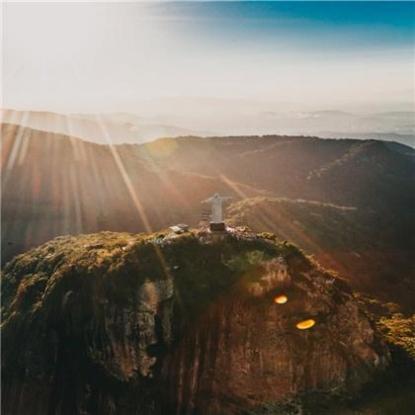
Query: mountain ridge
156	121
72	186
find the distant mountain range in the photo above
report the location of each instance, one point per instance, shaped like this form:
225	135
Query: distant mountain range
103	128
202	117
349	202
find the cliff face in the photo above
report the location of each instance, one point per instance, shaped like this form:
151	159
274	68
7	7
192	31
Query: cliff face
162	324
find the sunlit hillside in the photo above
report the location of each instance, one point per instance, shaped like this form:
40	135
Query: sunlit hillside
355	211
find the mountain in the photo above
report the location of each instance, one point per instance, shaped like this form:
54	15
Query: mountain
208	117
359	195
98	128
408	140
248	117
193	323
54	184
345	172
242	117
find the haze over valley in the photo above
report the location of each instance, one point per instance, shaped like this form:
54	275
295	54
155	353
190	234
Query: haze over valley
208	117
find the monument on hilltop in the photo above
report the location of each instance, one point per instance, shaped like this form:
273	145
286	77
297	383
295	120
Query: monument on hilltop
217	223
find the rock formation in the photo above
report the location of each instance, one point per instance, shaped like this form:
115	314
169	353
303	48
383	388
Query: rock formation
115	323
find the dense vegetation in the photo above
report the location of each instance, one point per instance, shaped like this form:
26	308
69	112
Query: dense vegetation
117	264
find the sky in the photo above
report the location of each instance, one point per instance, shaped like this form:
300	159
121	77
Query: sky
102	56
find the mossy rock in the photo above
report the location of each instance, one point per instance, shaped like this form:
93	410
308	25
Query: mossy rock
127	323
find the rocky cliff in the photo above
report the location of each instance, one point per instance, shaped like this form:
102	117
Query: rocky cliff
116	323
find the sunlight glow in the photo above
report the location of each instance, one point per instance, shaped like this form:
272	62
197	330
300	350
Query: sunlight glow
124	55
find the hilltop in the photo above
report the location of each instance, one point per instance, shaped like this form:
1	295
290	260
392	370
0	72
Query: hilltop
164	323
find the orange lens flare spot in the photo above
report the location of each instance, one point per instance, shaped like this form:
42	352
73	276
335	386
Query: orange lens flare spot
280	299
305	324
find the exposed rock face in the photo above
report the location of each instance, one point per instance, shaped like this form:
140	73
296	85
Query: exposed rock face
129	324
247	349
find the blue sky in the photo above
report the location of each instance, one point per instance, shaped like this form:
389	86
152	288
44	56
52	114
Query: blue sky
384	23
396	13
81	56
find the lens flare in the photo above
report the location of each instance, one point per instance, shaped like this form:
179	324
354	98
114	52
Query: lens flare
280	299
305	324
